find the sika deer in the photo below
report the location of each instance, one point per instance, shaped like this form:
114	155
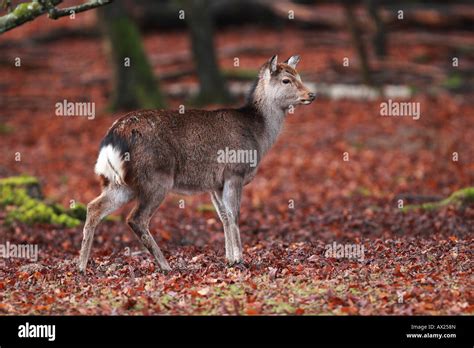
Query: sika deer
147	154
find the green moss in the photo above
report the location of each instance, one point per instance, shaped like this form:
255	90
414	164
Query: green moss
147	98
465	195
26	8
21	180
24	208
126	41
458	198
453	82
79	212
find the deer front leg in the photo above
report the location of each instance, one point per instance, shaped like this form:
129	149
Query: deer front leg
216	197
231	196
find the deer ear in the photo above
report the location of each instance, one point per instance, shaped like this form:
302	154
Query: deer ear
293	60
272	63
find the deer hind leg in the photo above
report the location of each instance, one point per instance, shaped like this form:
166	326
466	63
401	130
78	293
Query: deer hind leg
111	198
229	211
139	220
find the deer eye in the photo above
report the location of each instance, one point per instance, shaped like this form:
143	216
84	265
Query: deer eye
286	81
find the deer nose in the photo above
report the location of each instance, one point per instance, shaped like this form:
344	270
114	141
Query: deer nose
312	96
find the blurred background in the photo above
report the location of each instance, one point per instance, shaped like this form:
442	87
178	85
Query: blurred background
205	53
339	172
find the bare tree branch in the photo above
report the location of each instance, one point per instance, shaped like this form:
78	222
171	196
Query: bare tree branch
28	11
23	13
55	13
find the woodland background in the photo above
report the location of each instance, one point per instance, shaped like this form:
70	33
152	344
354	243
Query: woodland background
305	195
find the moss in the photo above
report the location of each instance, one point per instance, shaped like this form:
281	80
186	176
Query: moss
79	212
20	206
21	180
148	99
453	82
458	198
26	8
125	40
465	195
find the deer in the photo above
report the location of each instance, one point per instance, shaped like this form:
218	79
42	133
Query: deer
147	154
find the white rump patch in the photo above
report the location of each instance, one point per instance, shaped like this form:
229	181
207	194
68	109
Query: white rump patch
110	165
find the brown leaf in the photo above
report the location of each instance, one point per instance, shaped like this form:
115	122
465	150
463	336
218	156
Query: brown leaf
129	303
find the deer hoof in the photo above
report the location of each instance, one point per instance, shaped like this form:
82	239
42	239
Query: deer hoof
239	264
165	269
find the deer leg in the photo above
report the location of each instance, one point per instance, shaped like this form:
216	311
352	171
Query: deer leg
111	198
139	220
231	201
216	197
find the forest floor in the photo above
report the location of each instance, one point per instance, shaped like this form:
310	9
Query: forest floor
307	195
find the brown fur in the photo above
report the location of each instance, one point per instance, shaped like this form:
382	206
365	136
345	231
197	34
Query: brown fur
154	137
173	152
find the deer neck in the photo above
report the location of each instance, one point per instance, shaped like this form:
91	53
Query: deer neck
272	115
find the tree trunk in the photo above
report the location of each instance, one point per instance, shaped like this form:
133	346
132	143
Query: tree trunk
212	84
358	43
134	85
379	38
